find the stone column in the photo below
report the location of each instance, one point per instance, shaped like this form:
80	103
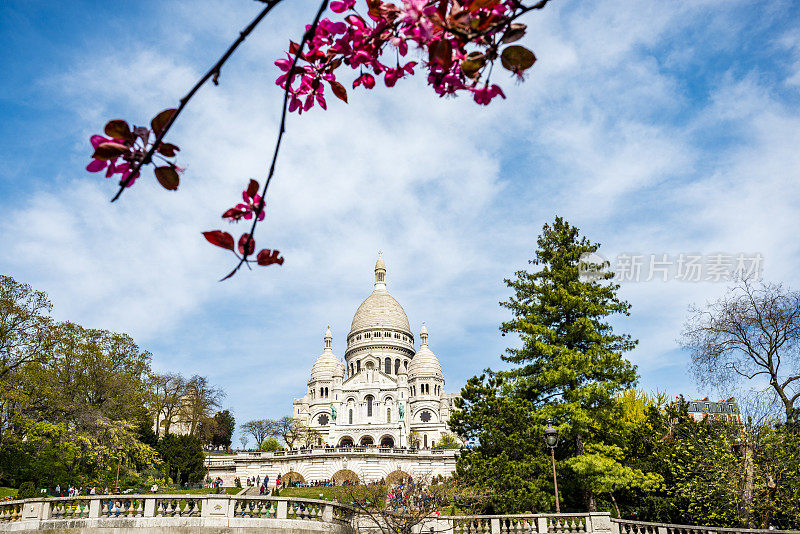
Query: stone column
495	525
32	510
541	525
94	508
150	507
216	506
282	510
600	522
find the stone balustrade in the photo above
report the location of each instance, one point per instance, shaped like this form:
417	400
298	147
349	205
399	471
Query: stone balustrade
625	526
175	512
179	514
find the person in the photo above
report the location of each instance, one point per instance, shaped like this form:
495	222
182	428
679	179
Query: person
58	490
154	488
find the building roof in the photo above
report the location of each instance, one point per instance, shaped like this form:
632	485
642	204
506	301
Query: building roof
424	362
380	309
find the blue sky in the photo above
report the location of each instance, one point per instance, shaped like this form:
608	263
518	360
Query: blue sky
655	127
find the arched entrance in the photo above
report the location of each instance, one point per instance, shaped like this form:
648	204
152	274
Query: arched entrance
387	441
367	441
291	477
344	475
396	476
346	441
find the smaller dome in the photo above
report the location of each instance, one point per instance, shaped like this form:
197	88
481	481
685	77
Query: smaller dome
327	365
424	362
379	264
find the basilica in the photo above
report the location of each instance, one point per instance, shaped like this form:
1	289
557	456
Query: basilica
385	393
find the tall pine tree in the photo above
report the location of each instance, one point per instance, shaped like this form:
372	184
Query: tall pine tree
570	365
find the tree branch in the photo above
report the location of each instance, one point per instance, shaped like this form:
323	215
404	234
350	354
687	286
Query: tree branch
212	73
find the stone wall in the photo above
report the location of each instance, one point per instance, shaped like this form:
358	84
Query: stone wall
370	464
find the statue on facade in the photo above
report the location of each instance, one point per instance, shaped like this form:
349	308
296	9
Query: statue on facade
333	413
401	409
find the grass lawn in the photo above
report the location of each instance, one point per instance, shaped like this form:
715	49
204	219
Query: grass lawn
201	491
328	494
7	492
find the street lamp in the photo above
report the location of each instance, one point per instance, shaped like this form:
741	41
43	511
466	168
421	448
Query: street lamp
551	439
119	462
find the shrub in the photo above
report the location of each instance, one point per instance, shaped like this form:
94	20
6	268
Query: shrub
27	491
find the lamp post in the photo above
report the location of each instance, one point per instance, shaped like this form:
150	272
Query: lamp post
551	439
119	462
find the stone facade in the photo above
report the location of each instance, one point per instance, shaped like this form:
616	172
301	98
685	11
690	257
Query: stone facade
385	393
369	464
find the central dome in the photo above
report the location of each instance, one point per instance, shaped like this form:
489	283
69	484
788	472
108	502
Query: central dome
380	310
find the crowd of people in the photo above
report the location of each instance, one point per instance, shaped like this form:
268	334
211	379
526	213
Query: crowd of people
408	495
75	491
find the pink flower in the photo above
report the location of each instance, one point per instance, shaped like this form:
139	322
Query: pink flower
485	94
367	80
251	203
340	6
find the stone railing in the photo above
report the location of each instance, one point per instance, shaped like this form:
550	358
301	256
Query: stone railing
626	526
228	459
163	511
587	523
221	513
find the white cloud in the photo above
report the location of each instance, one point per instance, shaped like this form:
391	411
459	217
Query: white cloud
454	194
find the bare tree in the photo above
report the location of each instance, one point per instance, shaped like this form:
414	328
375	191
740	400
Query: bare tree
166	399
750	333
290	430
202	399
407	505
260	429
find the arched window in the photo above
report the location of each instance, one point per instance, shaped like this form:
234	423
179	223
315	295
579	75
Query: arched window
405	364
425	440
358	366
350	417
397	366
388	415
369	405
387	366
321	392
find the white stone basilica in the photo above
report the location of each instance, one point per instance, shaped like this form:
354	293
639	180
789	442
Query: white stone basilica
384	393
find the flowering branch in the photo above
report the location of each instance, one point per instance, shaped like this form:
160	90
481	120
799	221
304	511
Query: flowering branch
247	247
213	73
461	40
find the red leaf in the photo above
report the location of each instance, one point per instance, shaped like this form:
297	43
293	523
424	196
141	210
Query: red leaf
118	129
517	58
251	246
160	121
167	177
233	213
252	189
167	149
441	52
107	151
219	238
339	90
268	257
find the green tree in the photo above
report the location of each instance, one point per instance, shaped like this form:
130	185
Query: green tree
570	366
447	441
223	432
269	445
507	459
183	458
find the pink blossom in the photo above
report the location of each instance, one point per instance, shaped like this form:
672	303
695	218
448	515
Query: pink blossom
485	94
